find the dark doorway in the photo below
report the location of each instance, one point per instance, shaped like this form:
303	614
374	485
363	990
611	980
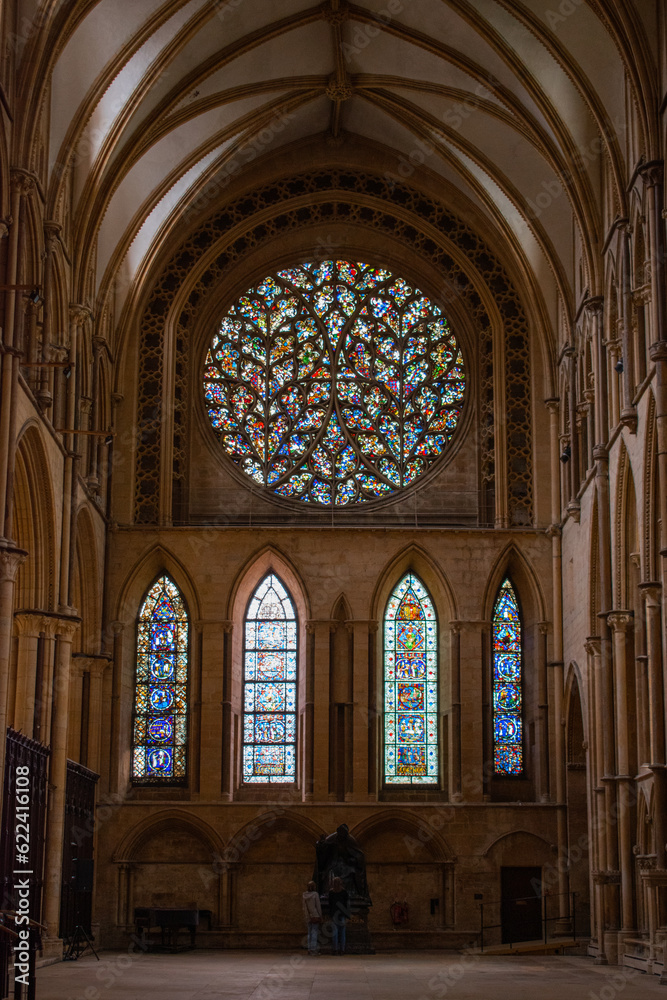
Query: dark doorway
521	904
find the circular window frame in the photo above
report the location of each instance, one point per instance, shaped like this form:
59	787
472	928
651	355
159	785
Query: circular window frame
457	320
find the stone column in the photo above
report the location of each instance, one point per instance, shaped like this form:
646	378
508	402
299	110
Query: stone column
563	925
321	631
55	820
652	175
620	622
652	594
10	560
542	734
116	686
216	750
454	748
45	696
75	728
596	791
97	667
628	410
361	630
28	627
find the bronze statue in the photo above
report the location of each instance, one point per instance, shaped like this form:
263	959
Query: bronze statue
339	856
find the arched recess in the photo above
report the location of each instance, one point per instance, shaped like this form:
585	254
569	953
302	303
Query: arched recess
170	859
34	526
86	586
279	843
268	560
402	851
156	562
627	568
513	565
576	742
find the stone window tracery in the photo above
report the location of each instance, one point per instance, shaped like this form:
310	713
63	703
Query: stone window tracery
159	748
269	685
410	686
334	383
507	683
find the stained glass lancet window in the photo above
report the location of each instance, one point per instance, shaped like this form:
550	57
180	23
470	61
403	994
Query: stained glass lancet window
334	383
410	686
269	690
160	706
507	696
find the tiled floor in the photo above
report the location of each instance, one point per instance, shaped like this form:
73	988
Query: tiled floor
241	975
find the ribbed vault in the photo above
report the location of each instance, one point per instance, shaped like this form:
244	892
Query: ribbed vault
514	105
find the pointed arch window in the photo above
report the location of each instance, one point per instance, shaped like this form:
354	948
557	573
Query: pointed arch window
159	752
269	685
410	686
507	683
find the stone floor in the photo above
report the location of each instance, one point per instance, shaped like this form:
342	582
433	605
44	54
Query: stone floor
241	975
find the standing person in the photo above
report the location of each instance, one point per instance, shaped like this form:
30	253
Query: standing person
339	911
312	911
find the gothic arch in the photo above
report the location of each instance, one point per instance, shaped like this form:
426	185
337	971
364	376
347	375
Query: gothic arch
649	513
427	833
147	569
86	583
539	843
513	563
574	700
414	557
34	526
268	559
166	819
274	819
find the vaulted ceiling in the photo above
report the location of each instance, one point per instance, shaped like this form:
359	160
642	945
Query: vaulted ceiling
520	107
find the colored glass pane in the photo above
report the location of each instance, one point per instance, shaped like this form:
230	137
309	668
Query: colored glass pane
334	383
269	689
507	700
410	686
160	706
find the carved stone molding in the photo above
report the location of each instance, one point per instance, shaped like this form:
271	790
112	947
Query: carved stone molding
339	89
594	305
335	13
23	181
66	627
593	645
79	314
608	877
651	172
652	593
117	627
371	624
658	351
331	624
10	560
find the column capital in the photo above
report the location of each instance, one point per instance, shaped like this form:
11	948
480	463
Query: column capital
652	172
620	621
544	628
652	593
117	627
470	624
4	227
593	645
594	305
66	627
79	314
552	404
658	351
600	453
10	560
22	181
29	623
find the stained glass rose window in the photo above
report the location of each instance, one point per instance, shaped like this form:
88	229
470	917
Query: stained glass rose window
334	383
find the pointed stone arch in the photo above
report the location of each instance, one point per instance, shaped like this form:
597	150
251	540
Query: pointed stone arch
511	562
34	525
156	560
415	558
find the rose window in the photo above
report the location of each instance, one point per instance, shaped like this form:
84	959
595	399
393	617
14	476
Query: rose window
334	383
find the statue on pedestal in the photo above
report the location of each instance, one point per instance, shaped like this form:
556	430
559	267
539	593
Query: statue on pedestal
339	856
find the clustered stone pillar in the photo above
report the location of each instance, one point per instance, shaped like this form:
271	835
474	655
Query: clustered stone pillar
620	622
55	821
